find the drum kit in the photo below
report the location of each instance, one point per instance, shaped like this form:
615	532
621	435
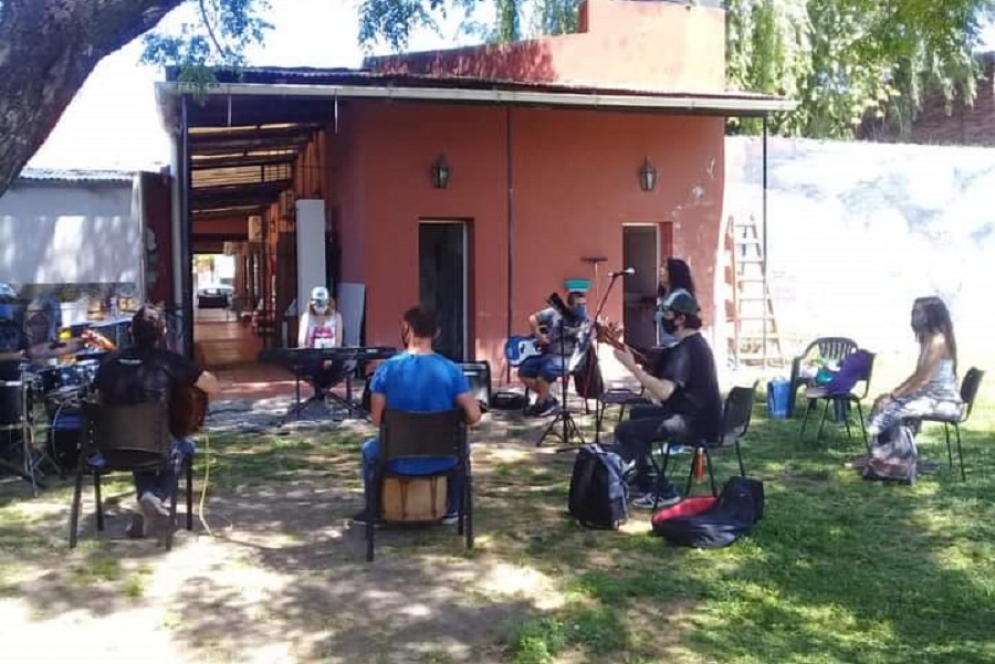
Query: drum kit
60	389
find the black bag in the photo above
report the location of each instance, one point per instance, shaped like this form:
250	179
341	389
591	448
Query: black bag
599	497
713	523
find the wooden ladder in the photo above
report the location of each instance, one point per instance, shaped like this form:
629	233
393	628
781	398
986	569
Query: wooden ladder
754	335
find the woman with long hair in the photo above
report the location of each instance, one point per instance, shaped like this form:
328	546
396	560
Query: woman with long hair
675	278
930	390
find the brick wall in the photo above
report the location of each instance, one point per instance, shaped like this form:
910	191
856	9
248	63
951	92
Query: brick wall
937	125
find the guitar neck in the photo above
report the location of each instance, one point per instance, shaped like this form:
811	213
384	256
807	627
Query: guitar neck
615	343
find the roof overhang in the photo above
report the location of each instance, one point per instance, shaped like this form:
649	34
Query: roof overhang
722	104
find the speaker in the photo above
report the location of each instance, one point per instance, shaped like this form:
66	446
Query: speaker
478	374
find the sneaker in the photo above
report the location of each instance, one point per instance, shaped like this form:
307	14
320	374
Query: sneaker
450	520
649	501
548	407
360	517
136	530
154	512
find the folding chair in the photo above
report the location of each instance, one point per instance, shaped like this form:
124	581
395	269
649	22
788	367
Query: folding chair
737	413
832	349
968	393
841	404
405	435
131	438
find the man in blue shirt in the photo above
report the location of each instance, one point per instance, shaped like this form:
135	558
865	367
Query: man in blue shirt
419	381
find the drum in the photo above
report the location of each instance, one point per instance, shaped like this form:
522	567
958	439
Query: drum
87	371
63	442
65	378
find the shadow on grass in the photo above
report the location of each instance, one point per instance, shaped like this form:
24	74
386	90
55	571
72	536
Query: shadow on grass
839	571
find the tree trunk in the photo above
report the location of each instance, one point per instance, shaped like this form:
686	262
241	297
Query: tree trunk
48	48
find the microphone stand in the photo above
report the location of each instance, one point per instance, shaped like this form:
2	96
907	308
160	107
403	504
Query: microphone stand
568	427
597	352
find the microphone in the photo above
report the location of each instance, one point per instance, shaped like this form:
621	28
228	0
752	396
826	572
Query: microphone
627	272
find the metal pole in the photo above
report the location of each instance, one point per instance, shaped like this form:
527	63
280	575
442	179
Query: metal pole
763	231
511	225
186	230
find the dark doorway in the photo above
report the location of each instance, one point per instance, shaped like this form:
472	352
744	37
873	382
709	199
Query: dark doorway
640	250
442	274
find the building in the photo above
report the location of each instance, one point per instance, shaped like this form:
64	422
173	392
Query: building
476	179
71	246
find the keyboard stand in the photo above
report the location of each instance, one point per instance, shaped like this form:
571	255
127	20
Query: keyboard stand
323	396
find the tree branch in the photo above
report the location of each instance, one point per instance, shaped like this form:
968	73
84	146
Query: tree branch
210	30
48	48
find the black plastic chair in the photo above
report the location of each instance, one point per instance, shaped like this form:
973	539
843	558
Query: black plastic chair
132	438
968	393
832	349
405	435
737	413
841	404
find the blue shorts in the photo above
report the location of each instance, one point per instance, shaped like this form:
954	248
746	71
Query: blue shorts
548	366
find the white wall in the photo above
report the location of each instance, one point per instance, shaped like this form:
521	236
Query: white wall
69	233
856	231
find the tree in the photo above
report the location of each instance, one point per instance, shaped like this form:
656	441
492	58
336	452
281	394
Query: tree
843	60
848	60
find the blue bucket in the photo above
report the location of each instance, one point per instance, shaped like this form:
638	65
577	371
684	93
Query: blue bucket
778	394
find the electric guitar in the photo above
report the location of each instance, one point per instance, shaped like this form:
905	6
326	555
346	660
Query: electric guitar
520	348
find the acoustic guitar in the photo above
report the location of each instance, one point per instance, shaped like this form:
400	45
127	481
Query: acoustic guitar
187	411
609	334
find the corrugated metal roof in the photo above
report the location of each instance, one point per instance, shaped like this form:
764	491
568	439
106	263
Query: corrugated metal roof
368	77
74	175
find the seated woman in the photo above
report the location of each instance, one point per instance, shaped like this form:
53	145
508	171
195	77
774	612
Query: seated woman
321	327
674	279
930	390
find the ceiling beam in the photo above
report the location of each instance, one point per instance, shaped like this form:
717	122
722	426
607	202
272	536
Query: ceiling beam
225	213
222	147
237	134
226	161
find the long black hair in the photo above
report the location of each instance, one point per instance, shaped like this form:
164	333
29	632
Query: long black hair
678	276
937	320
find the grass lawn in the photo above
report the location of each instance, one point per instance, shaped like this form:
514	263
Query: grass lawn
840	570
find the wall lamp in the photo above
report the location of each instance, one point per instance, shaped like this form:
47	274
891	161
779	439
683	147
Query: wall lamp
441	173
647	175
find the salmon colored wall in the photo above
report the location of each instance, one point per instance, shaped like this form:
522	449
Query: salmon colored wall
624	44
575	184
222	226
346	177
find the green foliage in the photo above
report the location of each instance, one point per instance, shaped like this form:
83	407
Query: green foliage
849	60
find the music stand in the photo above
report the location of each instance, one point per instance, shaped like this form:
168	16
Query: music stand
568	427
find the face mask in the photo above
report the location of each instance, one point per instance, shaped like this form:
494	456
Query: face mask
580	312
669	325
321	309
919	322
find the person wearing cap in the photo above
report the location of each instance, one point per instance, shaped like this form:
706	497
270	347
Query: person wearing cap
321	327
686	387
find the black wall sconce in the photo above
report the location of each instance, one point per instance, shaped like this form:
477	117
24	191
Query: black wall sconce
440	173
647	175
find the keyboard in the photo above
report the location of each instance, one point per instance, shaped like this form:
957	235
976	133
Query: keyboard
299	356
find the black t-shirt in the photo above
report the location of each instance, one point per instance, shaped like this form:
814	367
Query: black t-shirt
691	367
133	376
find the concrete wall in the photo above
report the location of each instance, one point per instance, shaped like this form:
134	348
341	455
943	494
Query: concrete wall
77	232
856	231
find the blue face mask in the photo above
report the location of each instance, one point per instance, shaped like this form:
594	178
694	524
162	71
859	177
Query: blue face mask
580	311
